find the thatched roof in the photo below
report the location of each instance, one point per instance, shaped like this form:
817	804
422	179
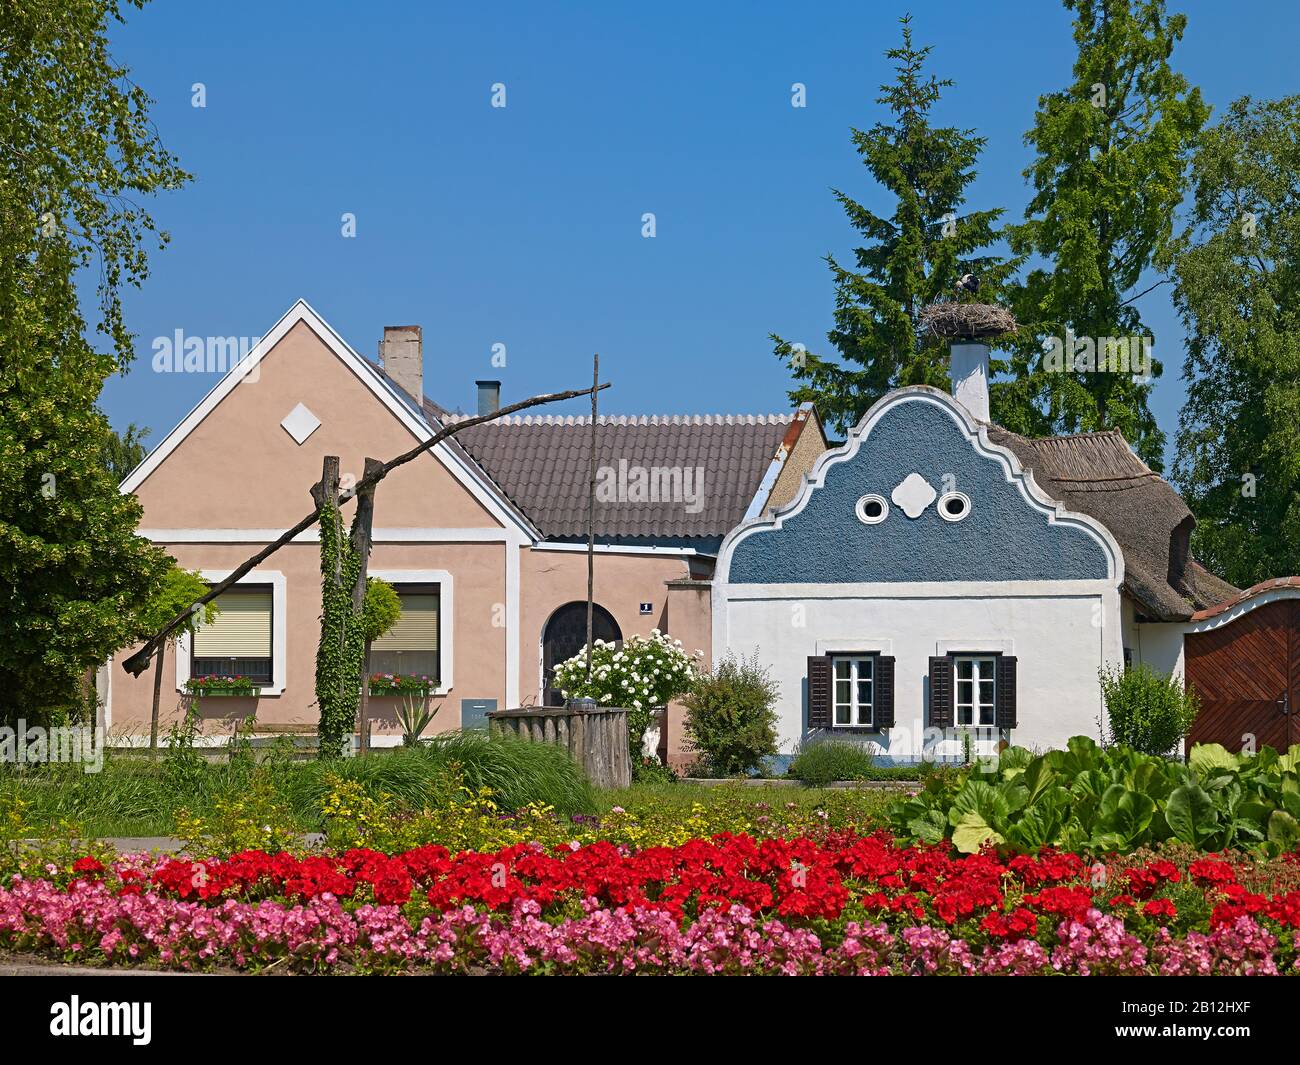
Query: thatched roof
1099	475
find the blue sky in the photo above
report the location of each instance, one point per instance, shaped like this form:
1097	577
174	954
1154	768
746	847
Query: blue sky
522	226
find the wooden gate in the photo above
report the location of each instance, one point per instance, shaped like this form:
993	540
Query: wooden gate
1247	675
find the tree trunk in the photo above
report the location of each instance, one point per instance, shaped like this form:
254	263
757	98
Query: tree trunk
363	722
361	528
157	698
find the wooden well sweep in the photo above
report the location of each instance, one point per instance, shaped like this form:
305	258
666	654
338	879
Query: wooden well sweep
596	737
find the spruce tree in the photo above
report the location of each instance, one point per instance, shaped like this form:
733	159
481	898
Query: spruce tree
910	259
1112	155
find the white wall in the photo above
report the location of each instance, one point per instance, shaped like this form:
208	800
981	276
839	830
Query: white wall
1060	633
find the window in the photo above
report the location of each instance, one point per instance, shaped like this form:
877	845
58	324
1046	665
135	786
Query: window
410	647
854	696
954	506
975	701
872	509
238	641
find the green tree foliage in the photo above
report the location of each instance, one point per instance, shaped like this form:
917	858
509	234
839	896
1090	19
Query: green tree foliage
909	259
123	452
179	591
77	148
1236	270
1112	155
382	608
340	655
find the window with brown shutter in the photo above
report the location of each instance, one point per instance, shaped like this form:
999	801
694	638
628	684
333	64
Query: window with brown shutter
884	708
819	691
941	693
1006	693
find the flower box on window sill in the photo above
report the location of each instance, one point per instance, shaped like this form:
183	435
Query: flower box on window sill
401	684
224	686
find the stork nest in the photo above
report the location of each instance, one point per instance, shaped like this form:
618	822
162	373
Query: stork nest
967	321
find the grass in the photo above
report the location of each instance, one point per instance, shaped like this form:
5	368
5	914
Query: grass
132	796
842	807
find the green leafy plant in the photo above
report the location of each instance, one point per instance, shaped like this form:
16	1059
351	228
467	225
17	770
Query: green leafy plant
1145	710
731	716
414	715
1087	798
820	762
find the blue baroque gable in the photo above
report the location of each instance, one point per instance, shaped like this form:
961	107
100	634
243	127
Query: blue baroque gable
1003	538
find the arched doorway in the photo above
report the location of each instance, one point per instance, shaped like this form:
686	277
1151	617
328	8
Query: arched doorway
565	635
1246	672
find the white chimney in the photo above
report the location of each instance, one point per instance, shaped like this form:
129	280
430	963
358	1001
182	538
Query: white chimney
401	354
968	366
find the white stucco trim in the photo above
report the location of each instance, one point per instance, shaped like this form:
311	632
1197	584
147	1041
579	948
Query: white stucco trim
459	467
923	590
974	645
259	536
1244	607
976	433
619	549
875	645
514	623
446	614
279	626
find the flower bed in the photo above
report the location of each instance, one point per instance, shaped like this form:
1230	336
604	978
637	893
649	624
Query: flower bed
730	904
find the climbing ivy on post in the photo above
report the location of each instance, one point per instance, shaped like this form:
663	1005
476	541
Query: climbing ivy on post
340	656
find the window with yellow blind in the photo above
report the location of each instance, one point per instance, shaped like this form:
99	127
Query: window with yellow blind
238	641
410	647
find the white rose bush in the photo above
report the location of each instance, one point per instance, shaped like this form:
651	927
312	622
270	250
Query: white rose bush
642	674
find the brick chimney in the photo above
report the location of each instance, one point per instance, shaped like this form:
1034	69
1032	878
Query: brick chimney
401	354
489	396
968	366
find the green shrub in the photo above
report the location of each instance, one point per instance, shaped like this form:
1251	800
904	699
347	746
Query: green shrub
820	762
731	716
1145	710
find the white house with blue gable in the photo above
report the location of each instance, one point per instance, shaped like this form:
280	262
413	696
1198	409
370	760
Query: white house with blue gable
924	594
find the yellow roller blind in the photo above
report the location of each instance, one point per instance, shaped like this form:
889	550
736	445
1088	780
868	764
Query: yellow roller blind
242	629
416	629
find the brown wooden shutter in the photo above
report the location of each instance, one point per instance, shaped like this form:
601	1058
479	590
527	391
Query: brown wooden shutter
819	691
941	693
1005	694
883	709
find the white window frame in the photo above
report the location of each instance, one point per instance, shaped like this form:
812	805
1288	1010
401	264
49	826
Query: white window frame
855	708
975	705
279	627
446	614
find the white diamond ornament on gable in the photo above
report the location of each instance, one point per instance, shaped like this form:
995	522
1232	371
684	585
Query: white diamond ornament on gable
913	495
300	423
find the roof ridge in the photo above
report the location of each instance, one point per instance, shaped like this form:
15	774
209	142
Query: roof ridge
633	419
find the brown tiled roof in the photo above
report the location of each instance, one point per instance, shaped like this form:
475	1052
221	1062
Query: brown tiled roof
540	465
1253	592
1099	475
543	466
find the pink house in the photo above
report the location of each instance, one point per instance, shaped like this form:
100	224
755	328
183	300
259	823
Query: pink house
484	537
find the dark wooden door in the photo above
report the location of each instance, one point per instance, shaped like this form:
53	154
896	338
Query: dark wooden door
566	635
1247	675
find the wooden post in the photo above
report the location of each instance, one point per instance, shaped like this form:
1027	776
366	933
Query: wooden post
362	524
591	511
157	698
